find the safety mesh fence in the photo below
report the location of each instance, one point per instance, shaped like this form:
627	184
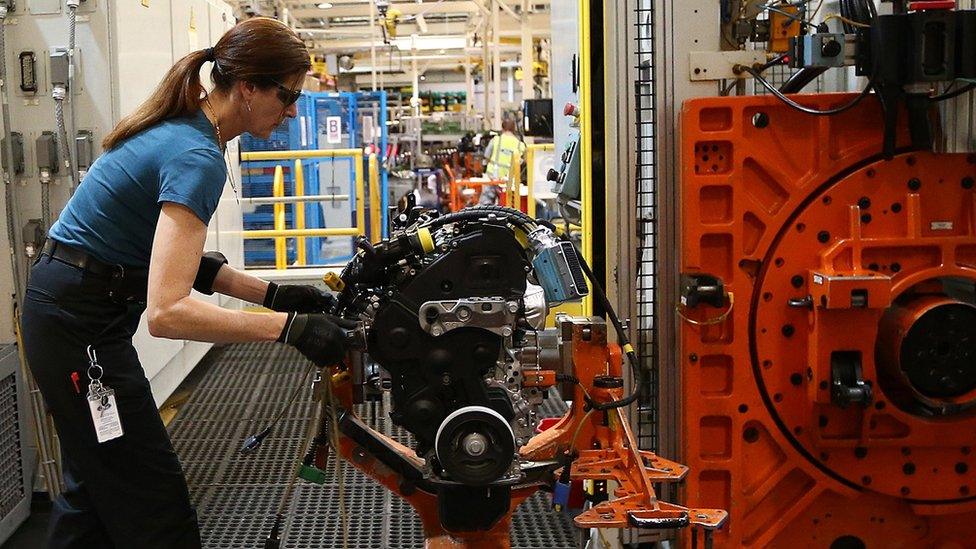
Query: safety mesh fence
645	91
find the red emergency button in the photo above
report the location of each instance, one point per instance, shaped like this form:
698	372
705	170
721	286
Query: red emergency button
570	110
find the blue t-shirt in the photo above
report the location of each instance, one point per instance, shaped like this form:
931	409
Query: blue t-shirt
113	213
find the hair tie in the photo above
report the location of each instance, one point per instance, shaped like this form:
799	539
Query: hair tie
209	53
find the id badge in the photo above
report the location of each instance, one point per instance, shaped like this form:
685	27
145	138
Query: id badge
105	415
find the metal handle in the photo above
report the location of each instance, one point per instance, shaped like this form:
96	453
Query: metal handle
802	302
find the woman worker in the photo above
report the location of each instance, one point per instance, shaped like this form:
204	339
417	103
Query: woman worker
139	217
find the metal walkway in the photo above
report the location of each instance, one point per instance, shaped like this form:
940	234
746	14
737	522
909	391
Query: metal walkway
237	496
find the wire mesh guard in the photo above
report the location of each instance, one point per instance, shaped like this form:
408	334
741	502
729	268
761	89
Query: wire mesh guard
237	496
647	203
11	465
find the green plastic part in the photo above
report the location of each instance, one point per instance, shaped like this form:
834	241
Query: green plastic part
312	474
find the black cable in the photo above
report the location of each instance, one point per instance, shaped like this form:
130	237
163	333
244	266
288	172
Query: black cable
516	217
253	442
830	112
949	95
801	79
621	335
845	12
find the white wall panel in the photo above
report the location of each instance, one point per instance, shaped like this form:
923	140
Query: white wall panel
125	48
142	45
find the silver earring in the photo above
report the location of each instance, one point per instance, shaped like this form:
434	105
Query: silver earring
248	105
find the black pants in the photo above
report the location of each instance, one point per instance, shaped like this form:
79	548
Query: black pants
126	492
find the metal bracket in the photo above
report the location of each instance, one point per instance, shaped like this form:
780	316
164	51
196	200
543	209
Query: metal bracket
847	382
490	313
718	65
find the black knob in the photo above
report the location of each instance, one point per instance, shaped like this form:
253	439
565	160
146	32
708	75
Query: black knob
831	48
552	175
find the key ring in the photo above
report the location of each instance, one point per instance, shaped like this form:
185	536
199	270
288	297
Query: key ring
92	365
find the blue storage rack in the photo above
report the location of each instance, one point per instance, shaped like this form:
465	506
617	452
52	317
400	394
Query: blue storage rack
303	133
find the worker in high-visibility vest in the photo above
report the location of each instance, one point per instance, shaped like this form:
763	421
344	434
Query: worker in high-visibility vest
500	154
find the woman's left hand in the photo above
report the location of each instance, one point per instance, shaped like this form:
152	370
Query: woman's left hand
295	298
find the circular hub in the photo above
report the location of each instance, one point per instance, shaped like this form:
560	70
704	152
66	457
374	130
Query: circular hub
854	246
475	445
937	352
927	347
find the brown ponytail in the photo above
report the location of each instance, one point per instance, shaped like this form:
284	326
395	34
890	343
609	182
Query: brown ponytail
259	50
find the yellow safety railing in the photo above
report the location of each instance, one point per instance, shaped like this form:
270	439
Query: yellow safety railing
278	190
530	151
302	258
513	190
375	213
280	233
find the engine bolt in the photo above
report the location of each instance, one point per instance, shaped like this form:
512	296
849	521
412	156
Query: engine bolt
436	331
512	307
464	313
507	331
475	444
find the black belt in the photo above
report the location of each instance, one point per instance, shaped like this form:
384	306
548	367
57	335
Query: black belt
125	283
80	259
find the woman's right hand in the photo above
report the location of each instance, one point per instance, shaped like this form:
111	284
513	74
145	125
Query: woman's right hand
317	336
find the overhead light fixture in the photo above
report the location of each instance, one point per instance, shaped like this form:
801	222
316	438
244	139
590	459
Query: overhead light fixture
421	23
423	77
324	5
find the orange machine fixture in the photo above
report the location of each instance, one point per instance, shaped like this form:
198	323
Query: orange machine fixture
603	443
833	405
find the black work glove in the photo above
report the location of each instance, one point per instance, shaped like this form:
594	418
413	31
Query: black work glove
298	299
316	336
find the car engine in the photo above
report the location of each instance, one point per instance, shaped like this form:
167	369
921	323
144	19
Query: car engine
453	309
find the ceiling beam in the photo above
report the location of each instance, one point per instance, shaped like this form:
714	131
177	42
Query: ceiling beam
538	22
407	8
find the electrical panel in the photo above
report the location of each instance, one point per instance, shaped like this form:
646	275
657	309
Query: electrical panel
47	152
566	180
59	68
17	144
34	235
820	50
28	72
84	149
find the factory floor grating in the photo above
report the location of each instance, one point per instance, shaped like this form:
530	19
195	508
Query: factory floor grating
237	496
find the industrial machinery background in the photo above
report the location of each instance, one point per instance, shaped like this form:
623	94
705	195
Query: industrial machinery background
827	340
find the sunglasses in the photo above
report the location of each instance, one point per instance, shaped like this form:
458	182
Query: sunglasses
287	95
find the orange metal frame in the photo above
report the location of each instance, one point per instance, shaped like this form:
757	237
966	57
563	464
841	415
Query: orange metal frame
457	186
781	206
604	445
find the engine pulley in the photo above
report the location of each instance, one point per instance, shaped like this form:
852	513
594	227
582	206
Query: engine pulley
475	445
